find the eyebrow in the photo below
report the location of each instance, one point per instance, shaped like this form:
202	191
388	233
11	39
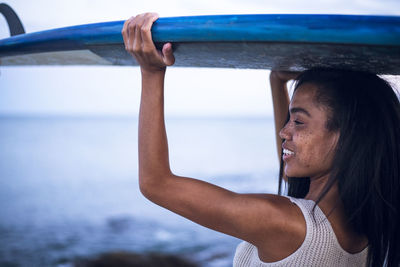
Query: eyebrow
299	110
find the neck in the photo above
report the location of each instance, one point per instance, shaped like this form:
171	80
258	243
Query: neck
317	186
333	208
330	199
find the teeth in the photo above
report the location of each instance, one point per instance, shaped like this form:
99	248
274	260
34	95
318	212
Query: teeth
287	152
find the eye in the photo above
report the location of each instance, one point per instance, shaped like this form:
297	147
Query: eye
298	122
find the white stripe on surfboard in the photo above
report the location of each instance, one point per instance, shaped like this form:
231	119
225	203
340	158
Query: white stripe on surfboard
74	57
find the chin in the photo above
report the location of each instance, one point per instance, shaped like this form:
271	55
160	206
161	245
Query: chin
296	173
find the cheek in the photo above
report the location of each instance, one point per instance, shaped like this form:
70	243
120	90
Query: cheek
314	150
306	150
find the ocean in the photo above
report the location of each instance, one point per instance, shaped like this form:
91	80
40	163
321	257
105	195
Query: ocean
69	186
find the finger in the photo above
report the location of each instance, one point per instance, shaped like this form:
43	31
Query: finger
148	44
287	75
168	54
137	45
125	33
292	75
131	34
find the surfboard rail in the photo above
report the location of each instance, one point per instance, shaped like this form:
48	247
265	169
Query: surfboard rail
225	41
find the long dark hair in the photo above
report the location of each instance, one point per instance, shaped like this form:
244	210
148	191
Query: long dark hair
366	111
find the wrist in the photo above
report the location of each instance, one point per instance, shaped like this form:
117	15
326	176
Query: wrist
152	80
152	72
283	76
274	77
153	75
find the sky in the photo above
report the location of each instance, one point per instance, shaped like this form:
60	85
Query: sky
112	90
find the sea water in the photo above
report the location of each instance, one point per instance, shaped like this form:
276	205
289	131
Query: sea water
69	186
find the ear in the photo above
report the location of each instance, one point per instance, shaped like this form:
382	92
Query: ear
334	140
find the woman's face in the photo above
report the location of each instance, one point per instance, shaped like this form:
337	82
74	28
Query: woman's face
308	146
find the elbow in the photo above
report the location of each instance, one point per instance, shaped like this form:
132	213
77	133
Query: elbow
152	187
146	187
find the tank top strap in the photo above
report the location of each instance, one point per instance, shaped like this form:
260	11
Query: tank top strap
318	224
311	212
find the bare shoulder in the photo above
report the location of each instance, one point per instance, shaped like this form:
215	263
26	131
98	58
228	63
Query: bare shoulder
285	231
278	219
288	215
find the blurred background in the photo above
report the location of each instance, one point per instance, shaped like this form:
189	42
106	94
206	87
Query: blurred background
68	140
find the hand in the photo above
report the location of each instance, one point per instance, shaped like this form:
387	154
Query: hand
283	76
139	43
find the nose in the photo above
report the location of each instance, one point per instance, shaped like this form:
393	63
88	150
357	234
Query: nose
284	133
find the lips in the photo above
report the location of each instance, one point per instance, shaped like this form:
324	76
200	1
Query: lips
287	153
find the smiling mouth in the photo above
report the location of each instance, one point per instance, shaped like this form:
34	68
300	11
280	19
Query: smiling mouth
287	152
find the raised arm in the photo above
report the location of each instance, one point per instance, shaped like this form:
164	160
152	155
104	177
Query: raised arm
280	99
153	147
254	218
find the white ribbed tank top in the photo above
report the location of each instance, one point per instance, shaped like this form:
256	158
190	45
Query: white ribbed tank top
320	246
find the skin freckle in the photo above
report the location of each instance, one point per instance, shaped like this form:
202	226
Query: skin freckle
312	142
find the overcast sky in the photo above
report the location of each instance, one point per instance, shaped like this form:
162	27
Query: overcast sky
115	90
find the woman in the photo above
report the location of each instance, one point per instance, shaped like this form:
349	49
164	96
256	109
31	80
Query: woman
346	142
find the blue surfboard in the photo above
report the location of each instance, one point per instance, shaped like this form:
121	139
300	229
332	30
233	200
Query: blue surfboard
280	42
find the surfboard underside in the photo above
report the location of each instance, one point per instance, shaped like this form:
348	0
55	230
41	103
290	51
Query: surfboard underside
242	55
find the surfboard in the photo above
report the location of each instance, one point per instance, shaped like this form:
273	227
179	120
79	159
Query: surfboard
279	42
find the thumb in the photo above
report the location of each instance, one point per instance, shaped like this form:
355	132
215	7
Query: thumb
168	54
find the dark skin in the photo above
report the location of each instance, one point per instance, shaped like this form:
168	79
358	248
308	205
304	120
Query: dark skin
270	222
306	130
280	99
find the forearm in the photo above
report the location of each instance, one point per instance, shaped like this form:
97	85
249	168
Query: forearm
153	145
280	101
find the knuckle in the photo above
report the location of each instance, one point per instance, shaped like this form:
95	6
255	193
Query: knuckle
138	27
147	50
135	50
153	15
144	28
132	26
140	16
